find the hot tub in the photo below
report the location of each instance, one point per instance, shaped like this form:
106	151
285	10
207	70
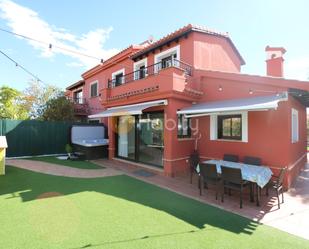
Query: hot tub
90	140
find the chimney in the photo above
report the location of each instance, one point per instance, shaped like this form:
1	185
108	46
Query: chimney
274	61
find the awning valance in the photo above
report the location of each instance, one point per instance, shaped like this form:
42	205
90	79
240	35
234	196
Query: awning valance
259	103
134	109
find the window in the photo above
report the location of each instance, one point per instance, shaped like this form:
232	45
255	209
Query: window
140	69
142	72
229	127
118	77
168	61
165	58
184	127
78	97
94	89
232	126
295	129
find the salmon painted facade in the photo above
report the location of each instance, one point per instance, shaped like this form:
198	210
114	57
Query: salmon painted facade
163	100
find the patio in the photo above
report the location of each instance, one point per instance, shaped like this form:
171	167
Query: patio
292	217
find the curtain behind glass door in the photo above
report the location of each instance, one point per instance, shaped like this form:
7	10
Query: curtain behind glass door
126	137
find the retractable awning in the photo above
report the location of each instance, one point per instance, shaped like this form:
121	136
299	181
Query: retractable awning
134	109
260	103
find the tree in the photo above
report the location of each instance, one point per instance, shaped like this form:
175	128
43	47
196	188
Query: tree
37	94
12	104
58	109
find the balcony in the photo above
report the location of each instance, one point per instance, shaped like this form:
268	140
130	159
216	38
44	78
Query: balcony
160	80
148	71
80	106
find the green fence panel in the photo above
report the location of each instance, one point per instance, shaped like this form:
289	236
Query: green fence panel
32	137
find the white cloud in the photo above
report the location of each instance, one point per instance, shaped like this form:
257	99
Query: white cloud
297	68
27	22
74	64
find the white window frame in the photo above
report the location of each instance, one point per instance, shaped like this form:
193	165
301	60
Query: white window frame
114	74
244	126
138	64
82	98
294	126
158	57
92	83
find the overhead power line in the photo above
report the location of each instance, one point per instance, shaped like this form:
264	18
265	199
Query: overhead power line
50	45
21	66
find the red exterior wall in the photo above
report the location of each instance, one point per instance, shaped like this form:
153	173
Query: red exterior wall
269	132
214	53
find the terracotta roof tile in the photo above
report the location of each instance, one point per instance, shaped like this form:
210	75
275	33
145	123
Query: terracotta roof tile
182	31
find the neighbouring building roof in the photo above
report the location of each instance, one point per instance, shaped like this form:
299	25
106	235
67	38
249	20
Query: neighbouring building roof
182	32
76	84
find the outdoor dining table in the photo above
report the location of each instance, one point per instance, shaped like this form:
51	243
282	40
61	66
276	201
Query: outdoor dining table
259	175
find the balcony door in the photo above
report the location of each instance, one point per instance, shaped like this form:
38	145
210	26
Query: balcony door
168	61
78	97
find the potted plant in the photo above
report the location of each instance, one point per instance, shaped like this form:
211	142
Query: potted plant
69	150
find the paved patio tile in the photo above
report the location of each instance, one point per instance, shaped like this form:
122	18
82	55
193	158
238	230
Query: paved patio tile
60	170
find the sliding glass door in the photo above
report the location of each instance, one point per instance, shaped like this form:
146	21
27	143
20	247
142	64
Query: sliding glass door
140	138
150	140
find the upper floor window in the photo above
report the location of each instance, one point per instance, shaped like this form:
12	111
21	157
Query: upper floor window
229	127
167	58
140	69
94	89
78	96
184	127
118	77
295	124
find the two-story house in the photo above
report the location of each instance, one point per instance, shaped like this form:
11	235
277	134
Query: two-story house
184	92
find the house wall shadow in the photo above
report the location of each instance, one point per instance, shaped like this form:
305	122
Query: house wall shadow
31	185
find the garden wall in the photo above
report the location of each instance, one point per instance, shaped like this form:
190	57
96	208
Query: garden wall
32	137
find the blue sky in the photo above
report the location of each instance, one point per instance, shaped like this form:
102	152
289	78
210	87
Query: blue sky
101	28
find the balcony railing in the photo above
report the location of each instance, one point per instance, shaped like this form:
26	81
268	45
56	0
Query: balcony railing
80	105
78	101
150	70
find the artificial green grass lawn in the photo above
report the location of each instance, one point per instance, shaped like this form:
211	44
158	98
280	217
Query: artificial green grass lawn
119	212
71	163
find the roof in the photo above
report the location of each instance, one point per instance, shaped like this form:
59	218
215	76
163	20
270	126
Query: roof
282	49
76	84
256	79
128	50
134	109
244	104
182	32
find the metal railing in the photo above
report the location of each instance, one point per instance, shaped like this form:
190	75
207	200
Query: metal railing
150	70
79	101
